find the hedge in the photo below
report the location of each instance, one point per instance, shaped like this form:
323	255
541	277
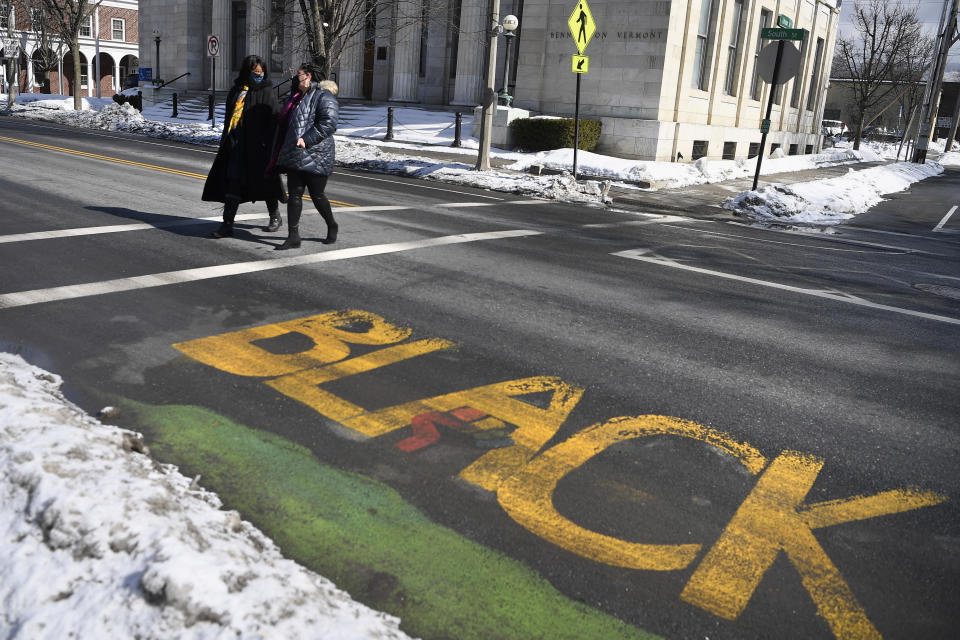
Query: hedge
541	134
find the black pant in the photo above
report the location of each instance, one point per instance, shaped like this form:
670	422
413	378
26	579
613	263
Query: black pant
297	181
232	203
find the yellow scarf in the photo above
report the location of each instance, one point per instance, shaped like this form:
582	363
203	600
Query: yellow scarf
237	109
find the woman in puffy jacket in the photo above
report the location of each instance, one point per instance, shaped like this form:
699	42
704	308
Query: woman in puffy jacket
237	174
304	149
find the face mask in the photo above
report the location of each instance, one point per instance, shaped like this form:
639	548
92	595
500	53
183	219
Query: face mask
257	77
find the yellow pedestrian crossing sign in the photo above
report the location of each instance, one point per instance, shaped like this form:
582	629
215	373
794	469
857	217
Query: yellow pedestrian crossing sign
581	25
580	64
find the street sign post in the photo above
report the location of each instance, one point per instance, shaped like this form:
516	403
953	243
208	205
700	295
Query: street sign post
213	51
779	76
582	28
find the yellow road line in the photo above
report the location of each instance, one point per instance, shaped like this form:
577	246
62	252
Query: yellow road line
153	167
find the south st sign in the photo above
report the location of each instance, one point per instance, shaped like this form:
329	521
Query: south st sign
774	518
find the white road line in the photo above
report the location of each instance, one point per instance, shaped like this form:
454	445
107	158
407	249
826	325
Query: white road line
160	224
655	219
420	186
640	254
40	296
807	245
945	218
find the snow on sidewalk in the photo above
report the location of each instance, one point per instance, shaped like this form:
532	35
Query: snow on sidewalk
100	541
831	200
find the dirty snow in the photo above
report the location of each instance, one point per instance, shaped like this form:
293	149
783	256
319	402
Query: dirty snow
831	200
157	559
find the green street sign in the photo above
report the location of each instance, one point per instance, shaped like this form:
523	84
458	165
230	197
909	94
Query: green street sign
775	33
764	126
784	21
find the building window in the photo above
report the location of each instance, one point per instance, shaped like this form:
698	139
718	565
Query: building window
701	58
238	44
808	149
793	149
774	147
699	149
276	35
5	17
754	150
118	29
795	95
86	28
814	76
729	150
733	49
83	74
755	88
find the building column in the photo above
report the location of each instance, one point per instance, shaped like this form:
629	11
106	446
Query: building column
258	38
406	52
470	50
221	28
350	71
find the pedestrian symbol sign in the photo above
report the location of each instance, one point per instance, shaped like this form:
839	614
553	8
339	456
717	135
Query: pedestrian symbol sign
581	64
581	25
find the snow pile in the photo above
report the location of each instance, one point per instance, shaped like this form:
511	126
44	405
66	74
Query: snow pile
950	159
99	541
680	174
832	200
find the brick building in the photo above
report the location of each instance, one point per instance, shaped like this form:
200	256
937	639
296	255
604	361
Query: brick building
109	49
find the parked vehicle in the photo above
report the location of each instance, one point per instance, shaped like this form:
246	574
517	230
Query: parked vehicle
833	128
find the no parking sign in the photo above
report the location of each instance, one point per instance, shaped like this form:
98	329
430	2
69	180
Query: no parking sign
213	46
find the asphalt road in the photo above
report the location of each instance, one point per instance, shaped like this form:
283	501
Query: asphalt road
789	470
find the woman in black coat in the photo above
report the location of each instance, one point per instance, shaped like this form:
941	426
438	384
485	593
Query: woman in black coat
304	149
237	174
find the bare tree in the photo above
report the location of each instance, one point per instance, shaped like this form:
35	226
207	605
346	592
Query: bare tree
886	52
45	58
327	25
65	17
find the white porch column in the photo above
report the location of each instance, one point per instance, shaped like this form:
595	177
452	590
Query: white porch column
221	29
406	51
470	50
350	76
258	38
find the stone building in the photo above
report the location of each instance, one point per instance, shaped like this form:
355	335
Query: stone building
108	46
667	79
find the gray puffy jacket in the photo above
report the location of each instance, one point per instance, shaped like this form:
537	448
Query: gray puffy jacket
315	120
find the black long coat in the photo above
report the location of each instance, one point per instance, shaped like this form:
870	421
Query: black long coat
245	151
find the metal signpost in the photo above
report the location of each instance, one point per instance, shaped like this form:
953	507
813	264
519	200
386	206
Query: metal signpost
778	53
213	52
582	28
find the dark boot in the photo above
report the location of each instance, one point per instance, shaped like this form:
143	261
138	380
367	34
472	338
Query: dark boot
229	215
331	233
292	241
275	222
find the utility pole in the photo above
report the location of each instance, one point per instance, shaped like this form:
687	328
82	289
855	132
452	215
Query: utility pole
489	95
931	96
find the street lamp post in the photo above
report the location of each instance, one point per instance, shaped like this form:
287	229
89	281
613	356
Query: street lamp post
156	38
509	24
489	97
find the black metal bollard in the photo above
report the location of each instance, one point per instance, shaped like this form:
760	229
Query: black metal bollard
210	107
176	113
389	135
457	130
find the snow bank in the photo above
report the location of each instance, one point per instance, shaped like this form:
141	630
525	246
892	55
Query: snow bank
950	159
100	541
831	200
681	174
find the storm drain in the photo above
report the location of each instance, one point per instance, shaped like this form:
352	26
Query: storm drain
940	290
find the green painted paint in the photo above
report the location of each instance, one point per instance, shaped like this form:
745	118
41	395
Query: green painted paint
362	535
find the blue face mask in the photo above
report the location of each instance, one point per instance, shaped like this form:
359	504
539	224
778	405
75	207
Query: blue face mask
256	77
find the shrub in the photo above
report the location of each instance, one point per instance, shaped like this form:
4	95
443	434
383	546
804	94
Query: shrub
541	134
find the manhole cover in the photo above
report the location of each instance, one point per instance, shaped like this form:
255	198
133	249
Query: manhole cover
940	290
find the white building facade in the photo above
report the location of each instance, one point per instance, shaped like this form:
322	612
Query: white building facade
109	50
668	80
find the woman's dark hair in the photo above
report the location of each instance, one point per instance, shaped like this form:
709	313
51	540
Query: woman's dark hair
316	74
246	68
